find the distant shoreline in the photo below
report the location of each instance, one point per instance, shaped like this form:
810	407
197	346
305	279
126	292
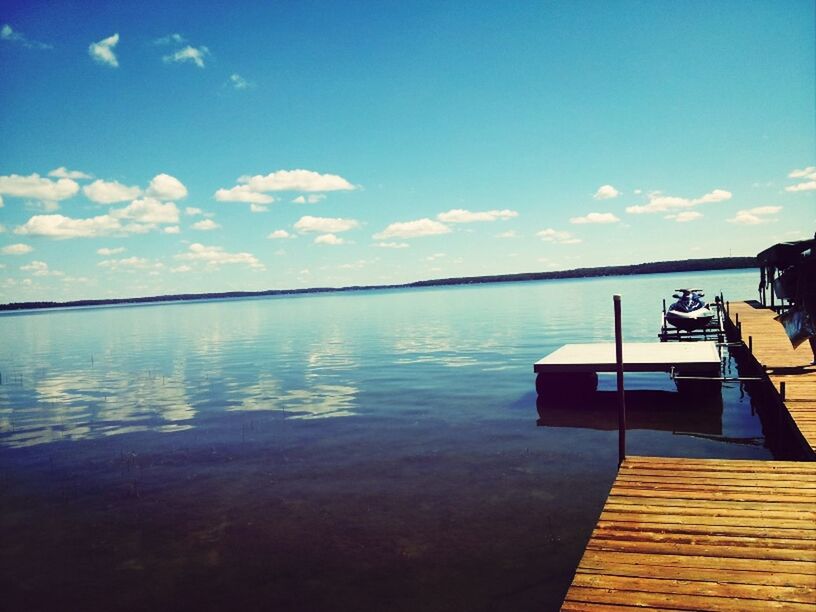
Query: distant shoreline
658	267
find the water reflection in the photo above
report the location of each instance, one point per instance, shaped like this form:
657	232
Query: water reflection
440	343
78	375
90	404
80	405
431	488
332	354
645	409
318	401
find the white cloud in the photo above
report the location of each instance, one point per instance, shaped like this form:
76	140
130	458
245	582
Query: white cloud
280	233
102	51
458	215
507	234
258	208
413	229
2	227
595	217
110	192
765	210
685	216
313	198
216	256
195	55
172	229
718	195
166	187
392	245
806	186
7	33
805	173
1	202
63	172
37	187
40	268
606	192
357	265
76	279
662	203
296	180
191	211
325	225
182	268
170	39
129	262
107	252
16	249
557	236
809	172
755	216
205	225
329	239
149	211
144	215
239	82
243	193
59	226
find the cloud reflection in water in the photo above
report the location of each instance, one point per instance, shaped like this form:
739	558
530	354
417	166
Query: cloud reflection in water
81	405
318	401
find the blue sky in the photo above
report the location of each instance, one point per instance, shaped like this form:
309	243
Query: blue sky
161	147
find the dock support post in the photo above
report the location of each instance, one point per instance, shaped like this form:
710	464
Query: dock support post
782	390
750	344
621	397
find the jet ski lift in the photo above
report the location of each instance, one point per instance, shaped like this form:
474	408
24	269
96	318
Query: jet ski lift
690	318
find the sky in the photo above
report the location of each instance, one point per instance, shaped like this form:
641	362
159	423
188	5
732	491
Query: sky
151	148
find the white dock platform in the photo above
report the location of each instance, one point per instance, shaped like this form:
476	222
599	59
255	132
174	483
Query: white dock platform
688	357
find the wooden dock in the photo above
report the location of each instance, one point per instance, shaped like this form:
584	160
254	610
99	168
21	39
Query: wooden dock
772	350
702	534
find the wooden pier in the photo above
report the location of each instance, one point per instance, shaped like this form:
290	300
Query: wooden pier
702	534
790	371
713	534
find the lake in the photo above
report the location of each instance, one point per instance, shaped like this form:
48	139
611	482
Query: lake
377	450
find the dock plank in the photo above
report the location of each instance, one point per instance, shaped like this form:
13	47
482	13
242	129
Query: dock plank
696	534
772	349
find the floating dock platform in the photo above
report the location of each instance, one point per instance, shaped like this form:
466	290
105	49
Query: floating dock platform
689	357
702	534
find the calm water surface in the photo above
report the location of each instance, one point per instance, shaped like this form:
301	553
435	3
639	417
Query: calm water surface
369	451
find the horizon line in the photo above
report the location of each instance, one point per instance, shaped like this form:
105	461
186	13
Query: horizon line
658	267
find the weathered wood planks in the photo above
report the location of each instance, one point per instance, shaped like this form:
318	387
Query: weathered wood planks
702	534
772	349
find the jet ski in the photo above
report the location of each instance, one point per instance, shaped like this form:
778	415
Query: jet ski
690	311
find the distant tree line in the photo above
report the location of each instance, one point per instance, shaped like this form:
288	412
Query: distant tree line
657	267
